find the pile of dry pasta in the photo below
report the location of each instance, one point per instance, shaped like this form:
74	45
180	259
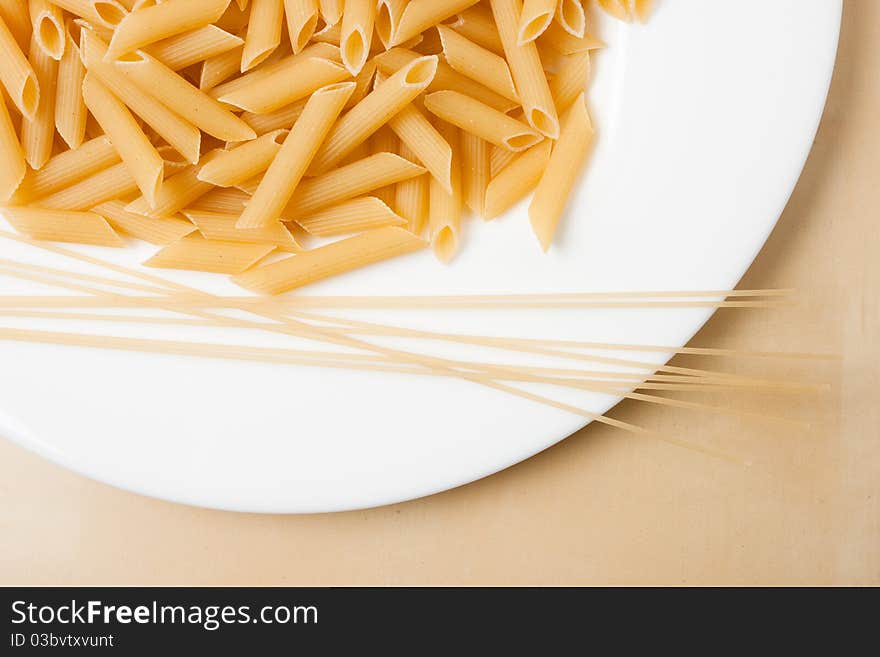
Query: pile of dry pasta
230	132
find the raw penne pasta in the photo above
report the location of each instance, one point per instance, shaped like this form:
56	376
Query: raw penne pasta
62	226
219	68
182	135
302	19
276	120
215	226
113	182
357	33
419	15
15	14
481	120
475	171
12	161
295	156
105	14
70	108
156	22
477	63
300	78
445	206
570	81
195	253
174	161
519	177
363	84
16	74
182	50
243	162
69	167
374	111
428	145
525	66
556	38
183	98
133	146
535	18
411	198
354	216
331	34
47	21
388	13
159	231
445	78
222	201
498	159
478	25
331	10
570	15
384	141
330	260
177	192
38	132
349	181
617	8
563	170
263	32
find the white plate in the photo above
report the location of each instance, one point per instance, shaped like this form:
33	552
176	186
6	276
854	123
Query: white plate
705	117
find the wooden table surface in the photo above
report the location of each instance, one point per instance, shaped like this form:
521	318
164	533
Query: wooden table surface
601	507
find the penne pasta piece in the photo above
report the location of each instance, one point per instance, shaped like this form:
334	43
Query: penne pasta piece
302	19
177	192
444	207
570	81
331	10
388	13
349	181
481	120
535	18
220	200
243	162
62	226
156	22
297	79
47	21
384	141
354	216
15	14
182	50
216	226
357	33
499	159
219	68
17	75
331	34
174	162
478	25
477	63
330	260
363	84
419	15
295	156
182	135
525	66
70	108
110	183
159	231
411	198
557	39
69	167
106	14
12	161
516	180
566	162
133	146
279	119
234	19
445	78
268	69
475	172
617	8
183	98
263	32
374	111
426	143
570	15
38	132
195	253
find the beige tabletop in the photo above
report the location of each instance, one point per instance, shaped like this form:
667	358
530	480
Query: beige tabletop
602	507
